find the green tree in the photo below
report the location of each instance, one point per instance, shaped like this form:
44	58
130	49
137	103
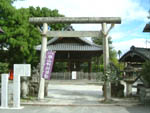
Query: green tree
112	52
45	12
20	36
119	53
145	73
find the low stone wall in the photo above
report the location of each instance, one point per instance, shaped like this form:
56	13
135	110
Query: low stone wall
144	95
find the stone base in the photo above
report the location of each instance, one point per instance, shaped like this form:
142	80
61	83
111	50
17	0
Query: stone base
144	95
34	87
117	90
12	107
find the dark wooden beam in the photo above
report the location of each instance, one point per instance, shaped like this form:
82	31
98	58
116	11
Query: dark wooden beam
89	69
66	60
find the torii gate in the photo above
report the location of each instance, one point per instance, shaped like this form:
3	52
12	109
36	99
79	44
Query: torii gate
76	20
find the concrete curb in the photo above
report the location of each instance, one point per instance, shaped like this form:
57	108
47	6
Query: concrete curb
89	105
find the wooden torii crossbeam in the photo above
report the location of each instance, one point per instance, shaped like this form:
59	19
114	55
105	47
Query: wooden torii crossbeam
76	20
73	34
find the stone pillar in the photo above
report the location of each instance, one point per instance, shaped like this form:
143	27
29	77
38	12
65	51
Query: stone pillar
10	90
129	89
4	91
107	84
16	91
43	52
24	87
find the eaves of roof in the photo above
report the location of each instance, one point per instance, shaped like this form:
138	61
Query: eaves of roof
71	47
147	27
141	52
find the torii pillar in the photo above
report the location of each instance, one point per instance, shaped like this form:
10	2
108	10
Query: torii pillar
79	20
43	52
107	83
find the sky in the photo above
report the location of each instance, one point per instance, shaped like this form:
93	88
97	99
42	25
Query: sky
133	15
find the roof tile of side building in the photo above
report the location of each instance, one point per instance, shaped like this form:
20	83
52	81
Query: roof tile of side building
143	53
147	27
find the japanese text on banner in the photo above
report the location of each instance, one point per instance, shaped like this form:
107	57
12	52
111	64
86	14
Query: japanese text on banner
48	65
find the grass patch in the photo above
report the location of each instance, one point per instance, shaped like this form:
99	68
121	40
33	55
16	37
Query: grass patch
29	98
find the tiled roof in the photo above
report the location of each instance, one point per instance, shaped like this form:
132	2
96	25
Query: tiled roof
75	46
71	47
81	38
143	53
147	27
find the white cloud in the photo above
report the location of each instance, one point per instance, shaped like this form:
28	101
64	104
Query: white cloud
131	32
117	35
125	45
126	9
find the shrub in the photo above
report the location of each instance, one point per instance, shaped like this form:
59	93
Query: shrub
145	73
3	68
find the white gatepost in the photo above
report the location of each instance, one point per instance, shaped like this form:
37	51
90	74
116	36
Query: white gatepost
19	70
4	91
16	91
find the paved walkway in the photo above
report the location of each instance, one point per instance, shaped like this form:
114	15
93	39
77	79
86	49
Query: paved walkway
79	97
75	94
78	93
78	109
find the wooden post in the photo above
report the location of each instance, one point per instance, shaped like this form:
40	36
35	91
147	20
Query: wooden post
43	51
89	70
107	84
69	69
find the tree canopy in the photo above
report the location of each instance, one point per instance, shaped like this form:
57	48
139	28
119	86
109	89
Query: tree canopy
20	36
112	52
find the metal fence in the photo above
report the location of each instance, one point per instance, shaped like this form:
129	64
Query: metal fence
80	75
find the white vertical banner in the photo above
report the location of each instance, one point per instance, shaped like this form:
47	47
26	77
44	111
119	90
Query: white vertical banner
4	91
